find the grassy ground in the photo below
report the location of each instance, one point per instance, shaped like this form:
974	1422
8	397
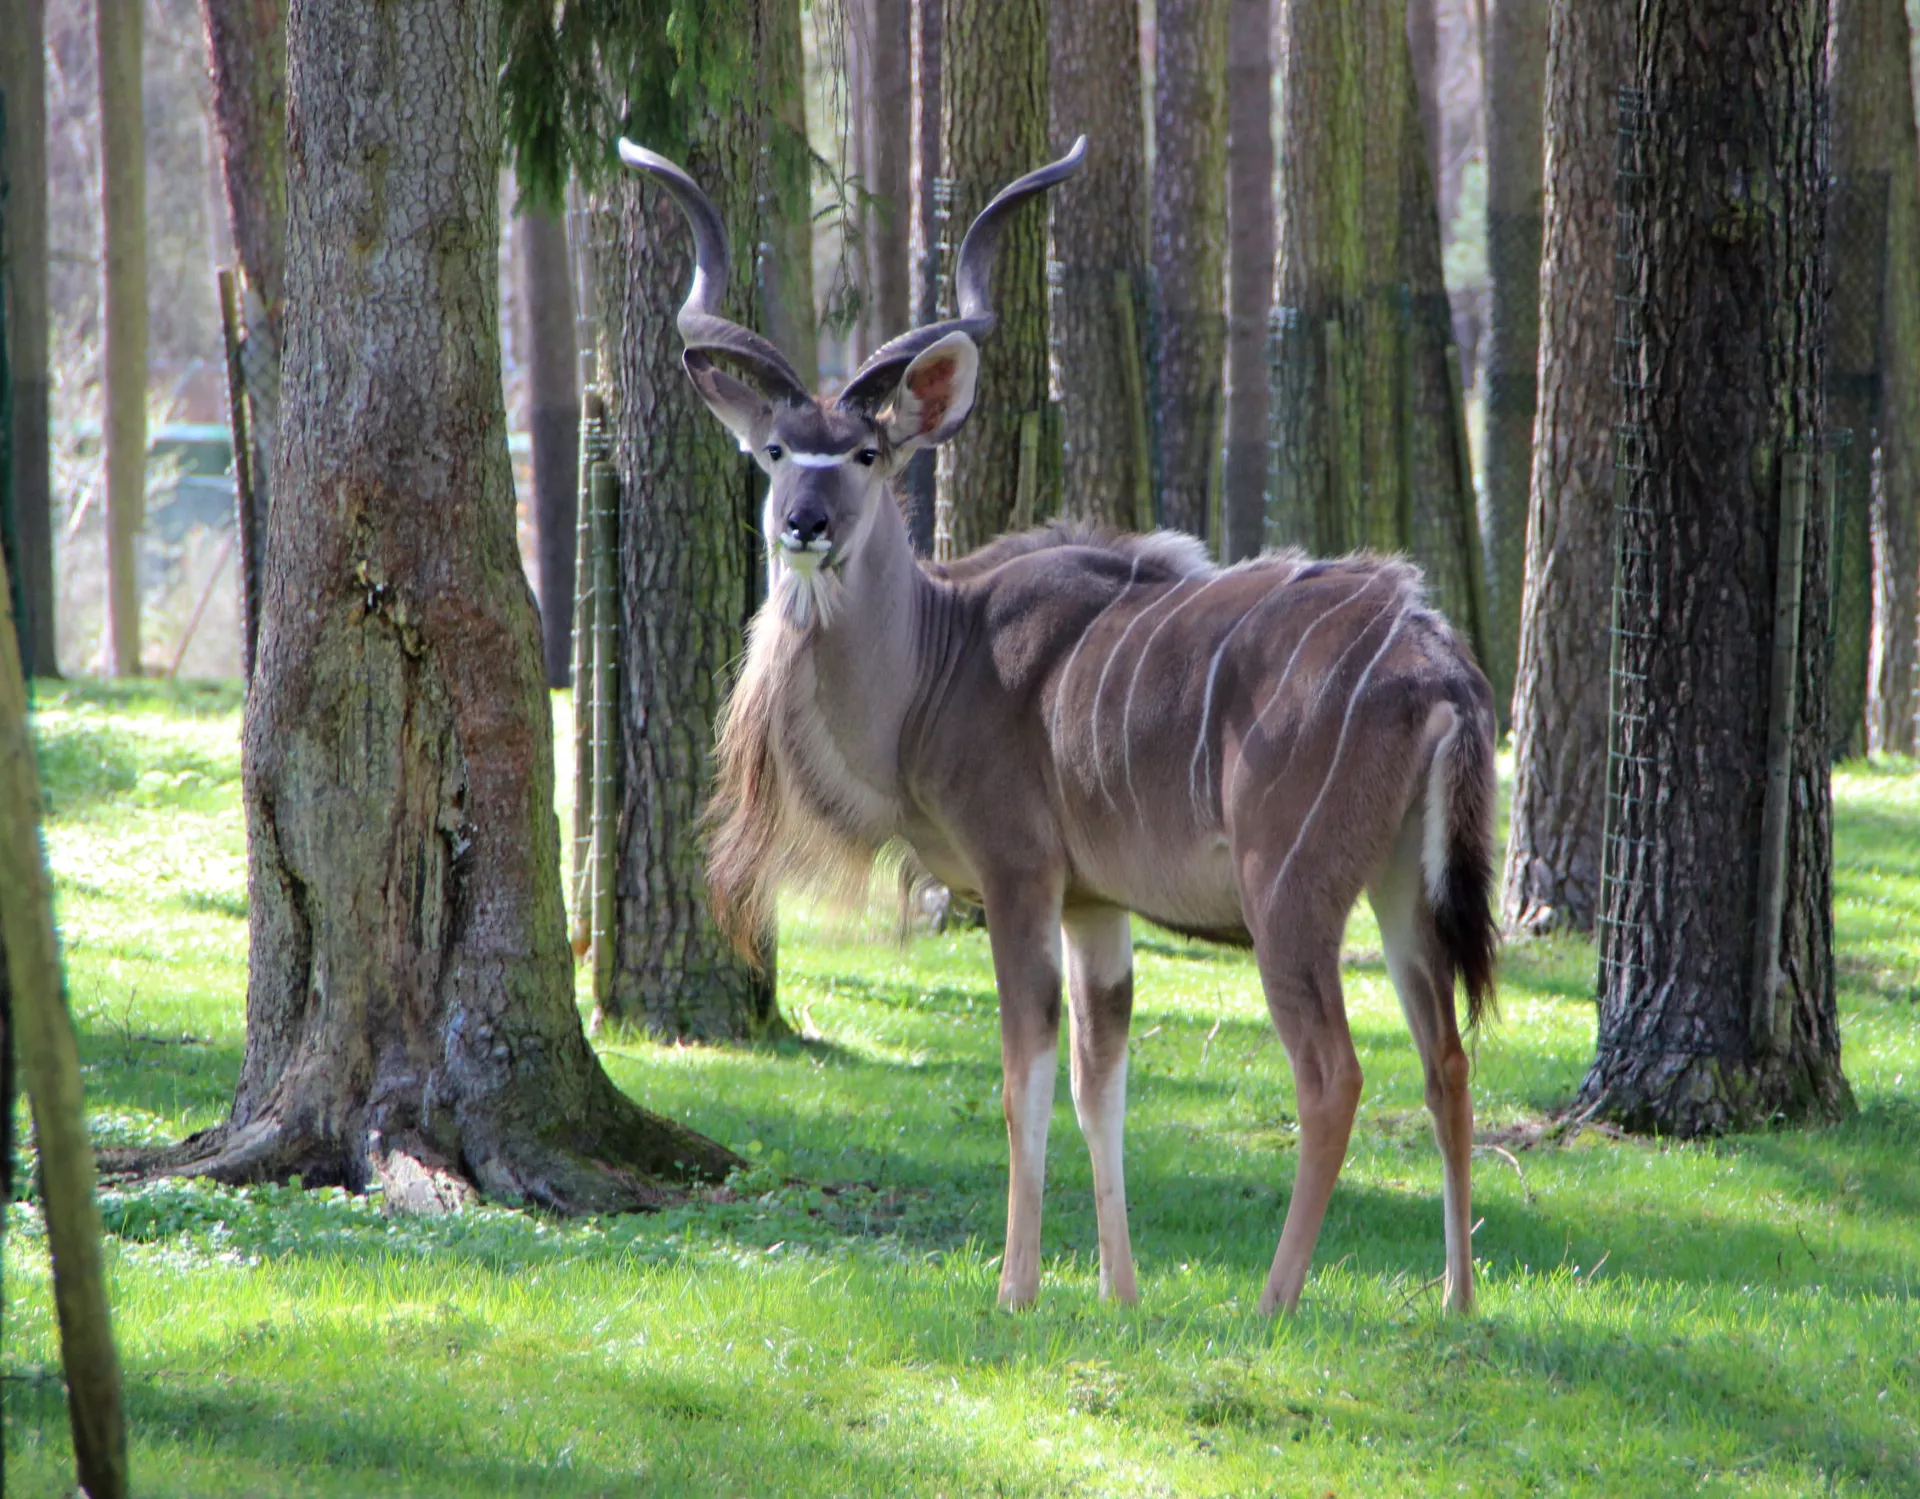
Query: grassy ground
1736	1317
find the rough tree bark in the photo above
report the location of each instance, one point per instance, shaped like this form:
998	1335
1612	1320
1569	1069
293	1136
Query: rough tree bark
993	91
691	564
1867	91
1189	255
783	176
1100	244
1369	442
123	188
553	417
1893	702
1243	505
1516	45
1717	982
410	1003
1552	875
23	76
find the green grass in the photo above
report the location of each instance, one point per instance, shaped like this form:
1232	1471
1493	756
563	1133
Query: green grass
1734	1317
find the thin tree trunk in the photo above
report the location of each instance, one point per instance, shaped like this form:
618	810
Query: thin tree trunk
1552	875
1100	245
124	355
1516	74
35	1000
23	75
1189	254
1369	439
1249	272
410	1008
993	89
247	63
1866	89
926	225
553	415
1423	42
886	128
1896	501
1716	942
690	570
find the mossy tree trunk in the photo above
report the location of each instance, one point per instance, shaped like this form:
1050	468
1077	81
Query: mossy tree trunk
123	191
1717	1004
1368	429
1516	50
1189	255
691	563
1100	244
1243	501
23	77
993	90
1560	693
410	1010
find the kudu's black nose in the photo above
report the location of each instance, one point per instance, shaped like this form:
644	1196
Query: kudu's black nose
805	523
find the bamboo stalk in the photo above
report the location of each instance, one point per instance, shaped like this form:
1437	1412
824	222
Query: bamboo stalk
1788	578
240	427
1136	382
605	497
591	439
50	1063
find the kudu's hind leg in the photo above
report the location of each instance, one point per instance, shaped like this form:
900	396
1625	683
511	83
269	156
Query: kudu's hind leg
1100	998
1023	926
1423	978
1303	996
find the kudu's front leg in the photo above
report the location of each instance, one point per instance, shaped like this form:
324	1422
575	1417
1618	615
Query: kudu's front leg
1100	999
1023	925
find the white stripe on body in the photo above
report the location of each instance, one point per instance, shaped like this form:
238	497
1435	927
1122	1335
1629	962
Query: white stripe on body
1060	692
1333	763
1287	670
1206	708
1099	770
1126	710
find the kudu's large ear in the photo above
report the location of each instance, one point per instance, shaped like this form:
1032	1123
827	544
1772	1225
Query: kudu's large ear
935	394
746	412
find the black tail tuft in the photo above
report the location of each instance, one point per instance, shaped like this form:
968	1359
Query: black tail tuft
1463	904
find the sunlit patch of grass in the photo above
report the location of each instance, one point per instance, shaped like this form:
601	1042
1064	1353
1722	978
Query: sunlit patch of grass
1730	1317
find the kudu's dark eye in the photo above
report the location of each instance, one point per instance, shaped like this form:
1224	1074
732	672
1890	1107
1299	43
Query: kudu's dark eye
775	451
868	457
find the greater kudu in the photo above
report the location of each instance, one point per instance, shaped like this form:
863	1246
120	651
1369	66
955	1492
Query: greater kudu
1071	727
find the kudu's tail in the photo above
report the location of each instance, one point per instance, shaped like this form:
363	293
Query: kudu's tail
1457	857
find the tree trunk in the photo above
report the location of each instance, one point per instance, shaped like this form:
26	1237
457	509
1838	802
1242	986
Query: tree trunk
1189	255
1368	428
1423	43
782	174
23	76
1867	94
886	136
993	89
927	224
1100	245
124	355
1516	74
410	1001
1878	167
247	57
690	570
553	415
1249	273
1896	500
1716	938
1560	695
33	995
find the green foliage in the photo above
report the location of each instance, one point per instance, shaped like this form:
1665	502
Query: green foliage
1730	1317
578	76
